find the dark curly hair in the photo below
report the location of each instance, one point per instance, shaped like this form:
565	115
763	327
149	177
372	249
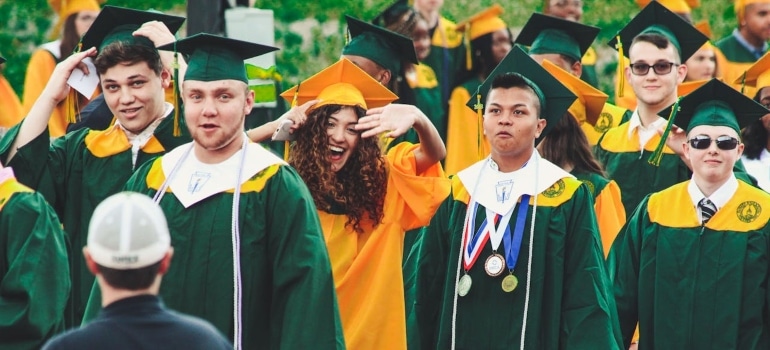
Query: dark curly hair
358	189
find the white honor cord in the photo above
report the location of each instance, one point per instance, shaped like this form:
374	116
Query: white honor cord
237	288
471	203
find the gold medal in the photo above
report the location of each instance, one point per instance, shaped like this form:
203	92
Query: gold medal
494	265
464	285
509	283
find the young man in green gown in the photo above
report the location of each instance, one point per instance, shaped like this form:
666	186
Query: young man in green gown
691	266
34	274
540	282
77	171
249	252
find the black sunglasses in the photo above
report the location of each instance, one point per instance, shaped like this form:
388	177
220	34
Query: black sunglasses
724	143
660	68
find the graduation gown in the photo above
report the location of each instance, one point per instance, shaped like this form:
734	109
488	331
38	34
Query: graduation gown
736	61
610	117
589	67
288	291
627	165
693	286
447	56
570	304
427	94
80	170
465	141
34	278
39	71
367	266
610	214
10	106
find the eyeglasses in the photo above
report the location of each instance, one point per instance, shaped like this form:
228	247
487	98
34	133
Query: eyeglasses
724	142
660	68
565	3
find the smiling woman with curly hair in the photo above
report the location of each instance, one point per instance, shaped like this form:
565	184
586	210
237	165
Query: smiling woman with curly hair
367	199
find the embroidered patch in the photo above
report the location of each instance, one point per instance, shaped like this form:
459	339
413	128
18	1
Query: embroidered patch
604	122
555	190
749	211
503	190
198	179
590	186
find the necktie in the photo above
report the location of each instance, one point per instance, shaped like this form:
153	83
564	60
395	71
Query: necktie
707	210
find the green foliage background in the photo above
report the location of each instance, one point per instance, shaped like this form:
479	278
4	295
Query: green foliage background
25	25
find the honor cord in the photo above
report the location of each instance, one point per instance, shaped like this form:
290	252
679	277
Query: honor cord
529	259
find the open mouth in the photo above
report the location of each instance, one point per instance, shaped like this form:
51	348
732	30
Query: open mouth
336	152
130	110
208	126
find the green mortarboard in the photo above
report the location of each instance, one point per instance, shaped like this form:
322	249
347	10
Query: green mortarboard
378	44
656	18
555	98
547	34
214	57
716	103
391	13
118	24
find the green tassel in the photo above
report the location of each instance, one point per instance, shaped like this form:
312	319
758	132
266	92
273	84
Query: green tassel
657	155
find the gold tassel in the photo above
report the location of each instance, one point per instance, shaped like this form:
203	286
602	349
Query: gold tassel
479	115
743	83
621	73
175	80
467	39
72	102
287	144
657	155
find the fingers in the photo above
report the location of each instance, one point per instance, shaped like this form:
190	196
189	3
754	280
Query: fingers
156	31
373	111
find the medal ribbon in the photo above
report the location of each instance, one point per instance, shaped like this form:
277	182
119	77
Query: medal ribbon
496	235
473	243
513	248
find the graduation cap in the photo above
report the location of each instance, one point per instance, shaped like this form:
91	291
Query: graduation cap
66	8
740	7
687	87
485	22
590	101
554	97
342	83
678	6
657	19
378	44
391	13
715	103
547	34
758	74
118	23
213	57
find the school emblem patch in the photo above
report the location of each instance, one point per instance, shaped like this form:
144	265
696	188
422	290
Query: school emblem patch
604	122
590	186
749	211
555	190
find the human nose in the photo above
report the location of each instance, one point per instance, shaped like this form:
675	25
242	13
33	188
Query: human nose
337	134
126	97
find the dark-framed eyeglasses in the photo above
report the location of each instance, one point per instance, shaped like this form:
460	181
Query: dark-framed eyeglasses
724	142
660	68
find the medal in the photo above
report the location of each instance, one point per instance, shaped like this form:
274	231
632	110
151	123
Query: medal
464	285
509	283
494	265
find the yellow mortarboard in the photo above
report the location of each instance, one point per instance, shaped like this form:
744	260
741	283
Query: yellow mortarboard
342	83
740	7
687	87
758	74
590	101
65	8
484	22
678	6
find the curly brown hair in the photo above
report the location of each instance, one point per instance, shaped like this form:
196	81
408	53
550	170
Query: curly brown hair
358	189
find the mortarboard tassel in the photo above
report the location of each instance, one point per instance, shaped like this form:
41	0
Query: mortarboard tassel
467	40
743	82
72	100
657	155
479	135
286	143
175	81
621	73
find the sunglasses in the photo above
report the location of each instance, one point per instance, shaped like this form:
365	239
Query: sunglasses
724	143
660	68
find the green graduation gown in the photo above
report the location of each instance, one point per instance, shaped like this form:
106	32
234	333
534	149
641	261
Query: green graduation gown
83	168
691	286
570	304
288	291
34	275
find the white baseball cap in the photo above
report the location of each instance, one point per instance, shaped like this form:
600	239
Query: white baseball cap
128	231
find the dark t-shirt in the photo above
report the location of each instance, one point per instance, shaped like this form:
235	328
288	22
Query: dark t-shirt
141	322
